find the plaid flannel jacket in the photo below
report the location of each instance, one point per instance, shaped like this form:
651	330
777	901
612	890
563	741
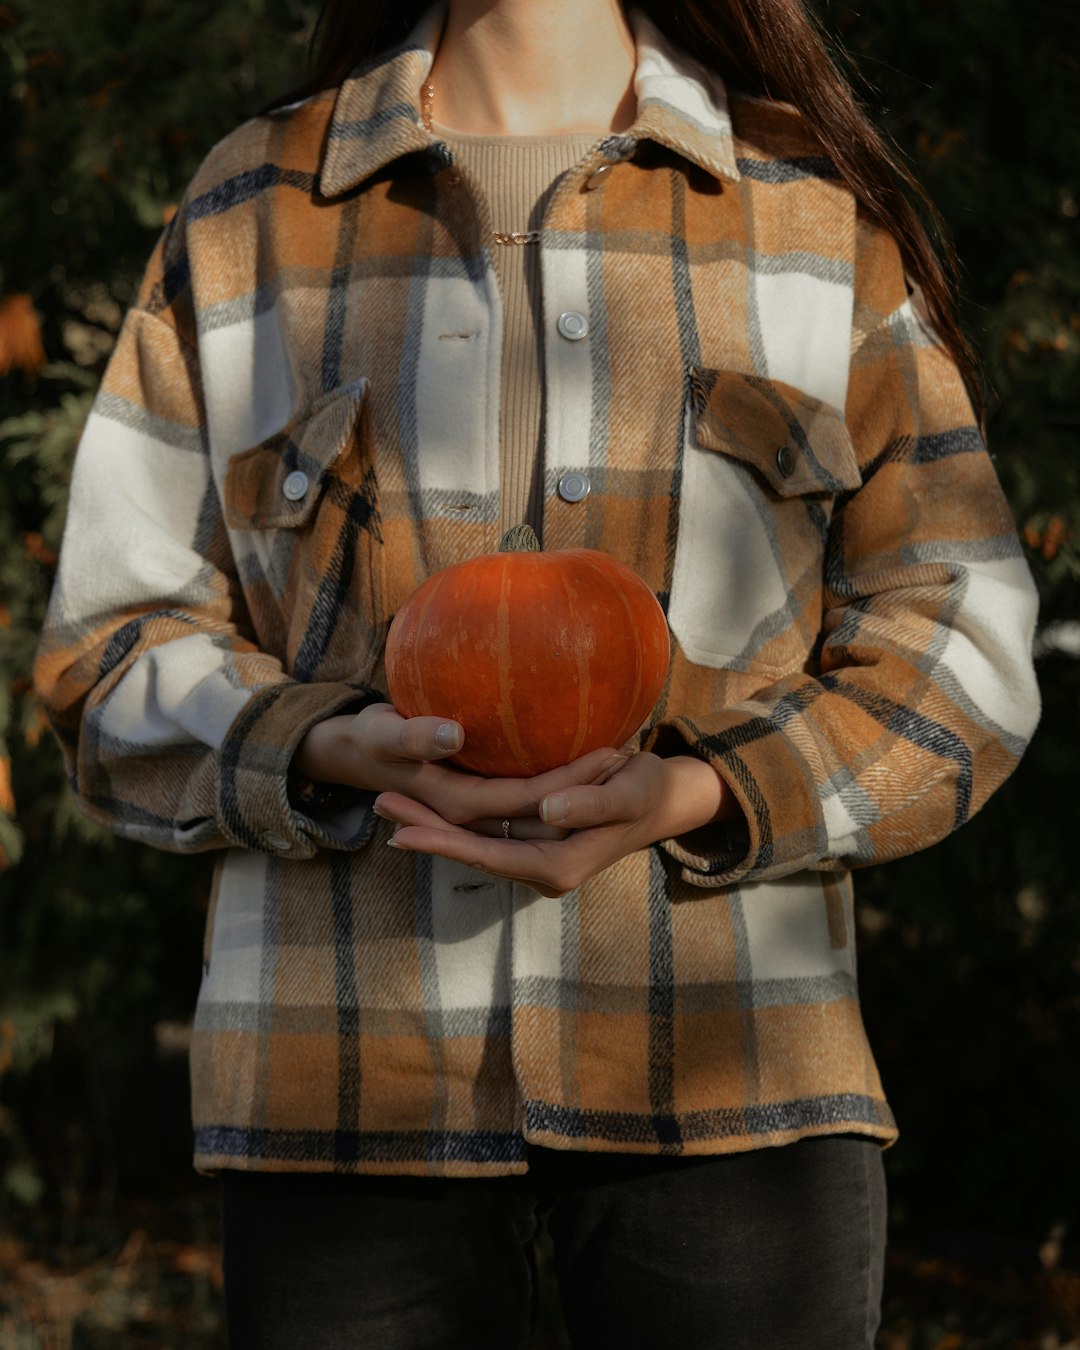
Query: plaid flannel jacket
300	423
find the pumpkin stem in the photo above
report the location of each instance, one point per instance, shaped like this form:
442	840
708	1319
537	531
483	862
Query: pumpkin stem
519	539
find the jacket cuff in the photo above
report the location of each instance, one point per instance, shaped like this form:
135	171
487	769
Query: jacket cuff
254	807
783	827
346	828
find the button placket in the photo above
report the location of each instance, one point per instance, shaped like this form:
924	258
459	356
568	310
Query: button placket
574	486
572	325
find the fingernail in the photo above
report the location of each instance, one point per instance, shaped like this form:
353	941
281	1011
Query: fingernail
378	811
448	736
553	809
610	763
393	843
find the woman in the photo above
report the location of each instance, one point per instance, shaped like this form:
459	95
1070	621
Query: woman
564	272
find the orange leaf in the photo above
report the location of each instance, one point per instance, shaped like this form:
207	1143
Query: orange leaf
100	97
1054	536
5	616
20	336
1016	341
39	725
7	1043
7	797
37	549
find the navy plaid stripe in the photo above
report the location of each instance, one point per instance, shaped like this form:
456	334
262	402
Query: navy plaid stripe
917	728
360	513
661	1008
363	127
635	1129
961	441
233	192
349	1071
240	747
356	1146
126	639
788	170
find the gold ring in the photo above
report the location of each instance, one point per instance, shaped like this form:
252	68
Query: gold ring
506	829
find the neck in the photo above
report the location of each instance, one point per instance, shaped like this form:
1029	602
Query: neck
534	67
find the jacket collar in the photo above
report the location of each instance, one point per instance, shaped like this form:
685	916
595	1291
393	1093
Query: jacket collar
376	118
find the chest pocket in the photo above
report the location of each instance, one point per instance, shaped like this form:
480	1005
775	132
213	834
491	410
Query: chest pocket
302	509
763	466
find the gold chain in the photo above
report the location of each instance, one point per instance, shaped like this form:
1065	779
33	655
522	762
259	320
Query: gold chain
427	96
516	236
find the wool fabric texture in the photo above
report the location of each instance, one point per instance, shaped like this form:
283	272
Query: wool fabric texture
301	422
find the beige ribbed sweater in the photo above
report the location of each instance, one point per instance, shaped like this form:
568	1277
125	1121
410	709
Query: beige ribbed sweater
517	175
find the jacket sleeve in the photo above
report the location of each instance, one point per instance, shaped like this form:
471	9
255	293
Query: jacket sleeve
923	696
175	728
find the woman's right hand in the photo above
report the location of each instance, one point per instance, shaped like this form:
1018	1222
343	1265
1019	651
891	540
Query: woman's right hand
379	750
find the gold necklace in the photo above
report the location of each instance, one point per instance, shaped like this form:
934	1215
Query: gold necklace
427	96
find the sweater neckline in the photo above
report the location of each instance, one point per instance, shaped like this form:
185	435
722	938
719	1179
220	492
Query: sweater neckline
487	139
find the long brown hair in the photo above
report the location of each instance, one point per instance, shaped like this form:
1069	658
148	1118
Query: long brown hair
767	47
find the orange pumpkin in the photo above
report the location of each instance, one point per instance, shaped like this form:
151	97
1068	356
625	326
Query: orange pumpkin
541	657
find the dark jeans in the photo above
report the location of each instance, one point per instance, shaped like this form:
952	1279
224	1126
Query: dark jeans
778	1249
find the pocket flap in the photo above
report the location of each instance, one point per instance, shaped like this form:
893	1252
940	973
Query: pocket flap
276	484
798	444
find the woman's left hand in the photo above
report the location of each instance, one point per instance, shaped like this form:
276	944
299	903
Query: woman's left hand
580	831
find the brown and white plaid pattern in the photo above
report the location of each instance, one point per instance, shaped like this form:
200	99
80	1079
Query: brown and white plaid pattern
300	424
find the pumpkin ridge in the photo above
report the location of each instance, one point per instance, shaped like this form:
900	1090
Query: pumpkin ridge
584	675
636	647
507	720
417	626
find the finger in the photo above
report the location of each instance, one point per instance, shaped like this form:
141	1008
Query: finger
582	808
499	797
427	832
518	860
414	738
616	763
549	868
404	810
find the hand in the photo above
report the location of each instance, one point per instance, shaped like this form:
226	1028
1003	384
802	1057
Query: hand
379	750
649	799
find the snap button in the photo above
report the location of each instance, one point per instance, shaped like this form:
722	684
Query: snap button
295	485
276	841
573	325
785	460
574	487
597	177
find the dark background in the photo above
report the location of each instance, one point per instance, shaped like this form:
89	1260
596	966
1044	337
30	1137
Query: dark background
970	953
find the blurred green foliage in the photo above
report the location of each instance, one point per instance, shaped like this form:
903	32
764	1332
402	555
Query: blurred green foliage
970	952
107	112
